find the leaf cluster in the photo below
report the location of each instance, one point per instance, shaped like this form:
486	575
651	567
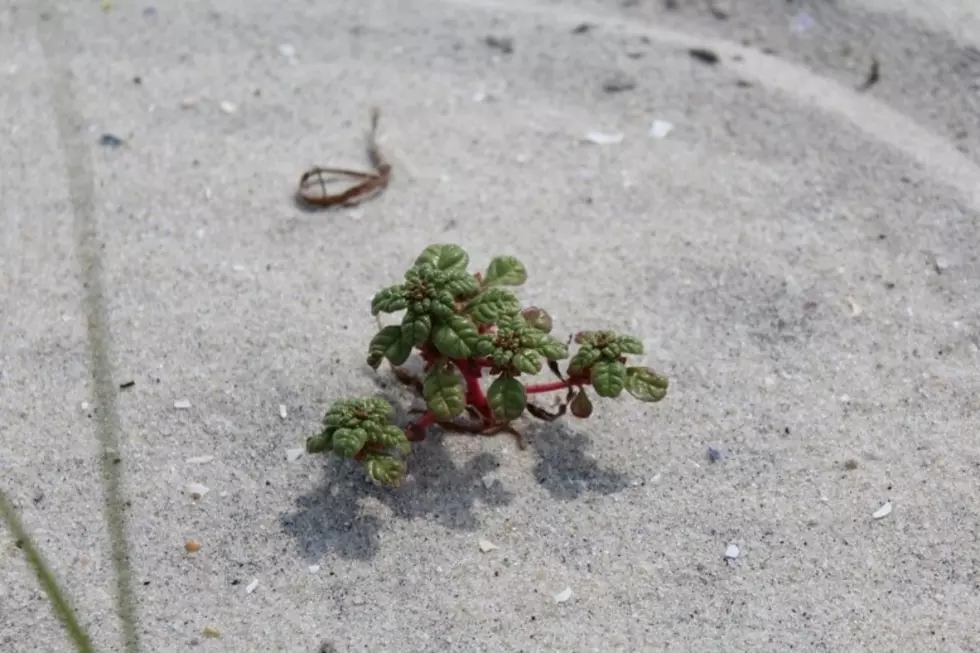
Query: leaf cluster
362	429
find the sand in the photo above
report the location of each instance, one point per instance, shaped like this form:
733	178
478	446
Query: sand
798	256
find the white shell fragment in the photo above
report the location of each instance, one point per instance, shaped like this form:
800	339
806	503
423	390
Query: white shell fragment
487	546
563	595
197	490
228	107
732	551
660	128
883	511
199	460
604	138
182	404
292	455
251	586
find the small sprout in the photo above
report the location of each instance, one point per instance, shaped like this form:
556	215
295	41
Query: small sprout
477	346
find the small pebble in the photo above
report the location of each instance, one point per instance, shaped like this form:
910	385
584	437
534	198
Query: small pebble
192	546
883	511
199	460
197	490
314	568
851	465
487	546
211	633
618	84
110	140
188	102
287	50
604	138
182	404
282	411
503	43
713	454
251	586
732	552
563	595
292	455
660	128
228	107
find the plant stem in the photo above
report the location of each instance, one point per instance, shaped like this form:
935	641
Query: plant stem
549	387
472	373
44	576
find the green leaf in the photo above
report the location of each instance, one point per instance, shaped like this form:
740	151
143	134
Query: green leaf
394	437
507	398
608	378
443	306
537	318
444	392
492	304
444	257
389	343
347	442
416	329
645	384
505	271
379	409
552	349
319	443
456	338
584	358
630	345
390	300
527	361
581	405
460	283
384	469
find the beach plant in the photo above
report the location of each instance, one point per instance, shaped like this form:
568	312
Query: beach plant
478	346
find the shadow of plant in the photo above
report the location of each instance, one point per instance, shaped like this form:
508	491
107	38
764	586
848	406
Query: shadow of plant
330	518
564	469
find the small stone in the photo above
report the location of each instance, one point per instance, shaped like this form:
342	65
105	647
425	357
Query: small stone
883	511
660	128
287	50
564	595
488	482
503	43
192	546
732	552
314	568
713	454
188	102
197	490
199	460
851	465
251	586
182	404
604	138
85	405
292	455
211	633
228	107
619	83
487	546
282	411
111	140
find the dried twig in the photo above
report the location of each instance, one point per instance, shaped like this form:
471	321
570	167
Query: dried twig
369	184
874	75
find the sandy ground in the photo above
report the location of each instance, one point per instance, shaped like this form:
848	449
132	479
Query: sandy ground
800	258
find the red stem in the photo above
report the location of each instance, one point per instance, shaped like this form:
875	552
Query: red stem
472	373
550	387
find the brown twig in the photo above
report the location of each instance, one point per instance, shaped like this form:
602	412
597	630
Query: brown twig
369	183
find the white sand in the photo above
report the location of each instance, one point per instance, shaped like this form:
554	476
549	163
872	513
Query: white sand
800	259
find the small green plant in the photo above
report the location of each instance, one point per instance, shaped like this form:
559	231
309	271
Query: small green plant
466	327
